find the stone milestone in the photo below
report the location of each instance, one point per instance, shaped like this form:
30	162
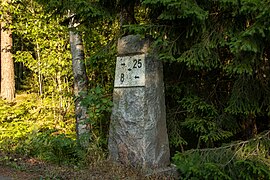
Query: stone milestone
138	133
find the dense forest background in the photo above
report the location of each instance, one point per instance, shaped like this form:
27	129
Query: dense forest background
216	75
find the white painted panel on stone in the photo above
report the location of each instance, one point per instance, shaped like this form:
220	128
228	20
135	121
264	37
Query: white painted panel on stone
130	71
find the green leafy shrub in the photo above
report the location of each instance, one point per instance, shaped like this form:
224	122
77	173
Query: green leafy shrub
29	127
99	107
48	146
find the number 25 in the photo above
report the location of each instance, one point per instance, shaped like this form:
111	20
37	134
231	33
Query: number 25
137	63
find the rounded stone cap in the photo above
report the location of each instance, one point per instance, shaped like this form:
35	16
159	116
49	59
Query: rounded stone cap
132	44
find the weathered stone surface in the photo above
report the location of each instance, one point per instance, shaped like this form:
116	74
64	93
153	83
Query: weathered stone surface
132	44
138	133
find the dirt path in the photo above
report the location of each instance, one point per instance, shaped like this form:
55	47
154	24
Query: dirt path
7	173
33	169
5	178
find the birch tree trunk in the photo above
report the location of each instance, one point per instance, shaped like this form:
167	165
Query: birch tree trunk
80	83
7	65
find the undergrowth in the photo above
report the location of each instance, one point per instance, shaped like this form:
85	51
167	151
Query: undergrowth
240	160
29	127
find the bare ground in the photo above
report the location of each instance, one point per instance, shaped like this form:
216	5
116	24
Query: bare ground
31	169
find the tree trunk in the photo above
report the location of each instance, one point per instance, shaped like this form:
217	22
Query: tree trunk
7	65
80	83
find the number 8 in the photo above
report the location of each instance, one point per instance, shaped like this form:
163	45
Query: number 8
122	78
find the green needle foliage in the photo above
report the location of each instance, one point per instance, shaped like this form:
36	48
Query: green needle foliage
216	67
239	160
